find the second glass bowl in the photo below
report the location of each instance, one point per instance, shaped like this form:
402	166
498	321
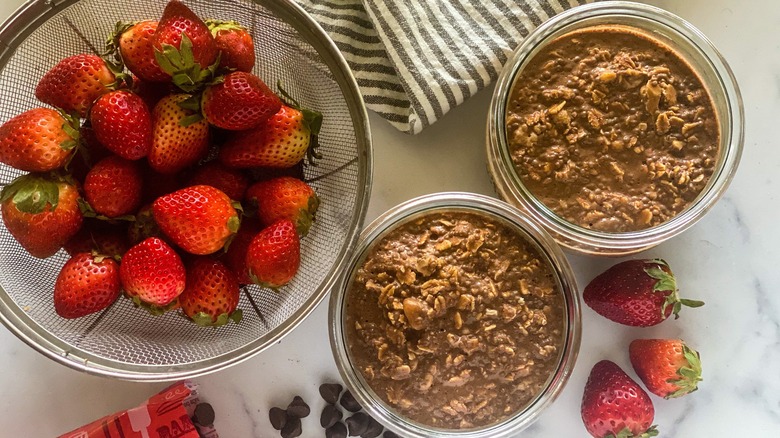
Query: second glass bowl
495	211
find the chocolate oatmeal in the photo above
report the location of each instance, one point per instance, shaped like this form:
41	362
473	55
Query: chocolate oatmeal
455	320
612	129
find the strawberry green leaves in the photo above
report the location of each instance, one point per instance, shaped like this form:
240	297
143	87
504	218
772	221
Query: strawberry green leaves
666	282
690	375
32	193
180	63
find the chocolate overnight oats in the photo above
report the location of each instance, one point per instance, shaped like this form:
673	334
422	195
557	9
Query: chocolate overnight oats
455	320
611	129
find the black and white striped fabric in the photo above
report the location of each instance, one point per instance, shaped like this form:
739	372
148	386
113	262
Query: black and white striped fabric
415	60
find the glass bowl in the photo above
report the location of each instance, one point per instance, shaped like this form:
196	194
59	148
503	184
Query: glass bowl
495	211
695	49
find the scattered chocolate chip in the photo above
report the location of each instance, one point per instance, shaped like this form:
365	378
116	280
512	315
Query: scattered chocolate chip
292	427
330	392
298	408
338	430
204	414
373	430
330	416
278	417
349	403
390	434
358	423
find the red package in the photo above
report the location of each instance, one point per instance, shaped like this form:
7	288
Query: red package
164	415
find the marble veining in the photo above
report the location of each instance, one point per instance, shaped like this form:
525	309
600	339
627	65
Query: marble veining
728	259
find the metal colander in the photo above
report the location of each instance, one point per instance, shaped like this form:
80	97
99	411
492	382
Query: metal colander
126	342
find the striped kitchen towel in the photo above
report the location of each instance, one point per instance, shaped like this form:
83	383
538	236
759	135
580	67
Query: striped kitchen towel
415	60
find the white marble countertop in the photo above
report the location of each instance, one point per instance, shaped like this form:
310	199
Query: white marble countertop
729	259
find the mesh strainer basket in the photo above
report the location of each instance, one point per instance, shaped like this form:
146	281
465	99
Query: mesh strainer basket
123	341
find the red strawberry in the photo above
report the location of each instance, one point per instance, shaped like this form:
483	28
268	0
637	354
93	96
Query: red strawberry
614	406
96	236
41	213
638	293
38	140
199	219
123	124
152	273
74	83
235	257
211	295
113	187
184	47
668	367
284	198
240	101
179	138
234	44
282	141
135	42
231	181
86	284
274	255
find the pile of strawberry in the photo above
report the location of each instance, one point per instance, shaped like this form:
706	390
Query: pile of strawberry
638	293
175	183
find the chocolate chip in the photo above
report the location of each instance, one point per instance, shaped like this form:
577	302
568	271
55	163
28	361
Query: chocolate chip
349	403
390	434
330	392
338	430
373	430
330	416
204	414
298	408
278	417
292	427
358	424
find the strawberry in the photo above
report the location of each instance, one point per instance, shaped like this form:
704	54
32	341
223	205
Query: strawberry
638	293
231	181
86	284
211	295
274	255
75	82
235	45
123	124
284	198
668	367
614	406
42	213
199	219
38	140
179	138
113	187
184	47
94	235
135	43
235	257
282	141
239	101
152	273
